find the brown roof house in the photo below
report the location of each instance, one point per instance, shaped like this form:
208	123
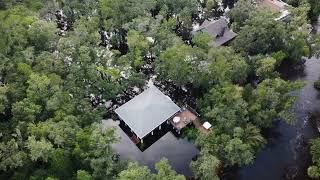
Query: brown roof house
277	6
219	30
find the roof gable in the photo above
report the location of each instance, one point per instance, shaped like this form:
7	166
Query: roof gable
219	30
214	28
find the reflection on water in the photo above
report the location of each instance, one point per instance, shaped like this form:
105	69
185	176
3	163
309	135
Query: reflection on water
178	151
286	154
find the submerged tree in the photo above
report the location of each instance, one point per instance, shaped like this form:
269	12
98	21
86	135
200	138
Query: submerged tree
314	170
164	171
206	167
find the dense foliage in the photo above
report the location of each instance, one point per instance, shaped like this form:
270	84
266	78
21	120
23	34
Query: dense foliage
314	170
60	61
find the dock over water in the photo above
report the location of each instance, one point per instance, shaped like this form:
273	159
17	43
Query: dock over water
188	116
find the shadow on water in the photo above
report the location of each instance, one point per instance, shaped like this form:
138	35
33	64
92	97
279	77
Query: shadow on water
150	139
286	156
164	143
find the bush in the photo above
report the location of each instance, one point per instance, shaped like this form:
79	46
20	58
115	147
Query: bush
190	132
317	84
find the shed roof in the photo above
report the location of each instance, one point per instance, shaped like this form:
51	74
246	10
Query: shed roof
147	111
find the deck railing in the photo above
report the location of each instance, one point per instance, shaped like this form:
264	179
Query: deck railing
192	110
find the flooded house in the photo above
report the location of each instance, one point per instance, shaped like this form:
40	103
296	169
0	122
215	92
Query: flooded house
221	34
147	112
150	110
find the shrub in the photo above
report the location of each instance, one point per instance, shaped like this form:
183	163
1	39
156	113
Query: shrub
317	84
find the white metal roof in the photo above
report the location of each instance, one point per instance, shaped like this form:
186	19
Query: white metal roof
147	111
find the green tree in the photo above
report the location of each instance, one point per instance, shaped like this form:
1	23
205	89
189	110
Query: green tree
85	29
226	65
13	30
75	9
240	13
261	34
225	107
266	68
39	149
26	110
139	47
39	89
165	171
93	148
117	13
42	35
202	40
181	10
165	36
314	9
12	155
297	29
47	63
3	99
271	100
83	175
314	170
60	132
177	63
229	149
134	171
206	167
237	152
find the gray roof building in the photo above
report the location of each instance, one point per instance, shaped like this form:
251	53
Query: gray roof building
147	111
219	30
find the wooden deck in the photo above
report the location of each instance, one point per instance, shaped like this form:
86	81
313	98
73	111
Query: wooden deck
188	117
197	123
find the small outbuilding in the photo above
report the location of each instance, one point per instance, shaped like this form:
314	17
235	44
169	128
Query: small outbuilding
147	112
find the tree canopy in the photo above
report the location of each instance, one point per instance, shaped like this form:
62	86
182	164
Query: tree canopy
62	61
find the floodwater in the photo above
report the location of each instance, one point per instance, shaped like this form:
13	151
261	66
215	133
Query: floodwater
286	156
178	151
